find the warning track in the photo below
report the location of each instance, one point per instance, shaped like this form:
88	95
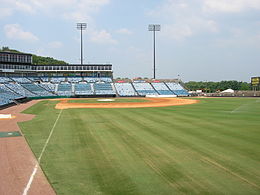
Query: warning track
151	102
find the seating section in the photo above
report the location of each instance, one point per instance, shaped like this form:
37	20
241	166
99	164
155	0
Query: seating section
5	80
20	90
103	89
125	89
7	96
33	79
21	79
177	89
144	89
95	80
48	86
74	79
83	89
106	80
162	89
57	79
37	89
64	89
16	87
44	79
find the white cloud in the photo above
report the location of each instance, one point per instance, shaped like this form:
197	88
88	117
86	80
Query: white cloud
101	37
25	7
183	20
177	32
15	31
230	5
4	12
69	9
55	44
124	31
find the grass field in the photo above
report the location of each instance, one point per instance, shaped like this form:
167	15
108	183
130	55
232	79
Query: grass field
212	147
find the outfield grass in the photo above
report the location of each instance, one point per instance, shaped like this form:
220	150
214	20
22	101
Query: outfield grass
207	148
116	100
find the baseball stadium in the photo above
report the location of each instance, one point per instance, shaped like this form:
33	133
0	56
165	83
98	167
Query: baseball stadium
74	129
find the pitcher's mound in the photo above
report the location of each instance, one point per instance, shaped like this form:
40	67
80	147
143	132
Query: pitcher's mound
105	100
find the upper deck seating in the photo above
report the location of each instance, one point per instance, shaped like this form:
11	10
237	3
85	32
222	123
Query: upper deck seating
177	89
162	89
83	89
64	89
103	89
144	89
125	89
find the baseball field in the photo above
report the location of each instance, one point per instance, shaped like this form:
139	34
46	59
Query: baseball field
211	147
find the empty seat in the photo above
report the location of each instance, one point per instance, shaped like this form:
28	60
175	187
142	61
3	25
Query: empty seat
144	89
125	89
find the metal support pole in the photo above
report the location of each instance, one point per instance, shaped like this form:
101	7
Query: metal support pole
154	28
81	58
154	53
81	27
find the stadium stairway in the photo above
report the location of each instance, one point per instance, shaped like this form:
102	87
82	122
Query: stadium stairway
135	89
114	89
169	88
154	88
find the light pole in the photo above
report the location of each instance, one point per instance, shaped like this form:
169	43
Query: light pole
154	28
81	27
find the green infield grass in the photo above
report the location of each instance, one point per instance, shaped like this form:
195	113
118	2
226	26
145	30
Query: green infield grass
114	100
212	147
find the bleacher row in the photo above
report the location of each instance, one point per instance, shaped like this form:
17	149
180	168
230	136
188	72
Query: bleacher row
55	79
15	88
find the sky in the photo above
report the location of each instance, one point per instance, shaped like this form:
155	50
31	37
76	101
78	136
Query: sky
200	40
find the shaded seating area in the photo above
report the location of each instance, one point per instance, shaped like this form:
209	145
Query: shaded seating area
103	89
83	89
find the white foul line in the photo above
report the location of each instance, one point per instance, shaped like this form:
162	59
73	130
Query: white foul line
35	169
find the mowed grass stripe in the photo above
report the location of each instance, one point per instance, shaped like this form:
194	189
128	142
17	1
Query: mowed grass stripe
169	150
96	168
231	149
157	159
150	130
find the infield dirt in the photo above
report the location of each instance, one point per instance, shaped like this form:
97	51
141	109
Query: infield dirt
151	102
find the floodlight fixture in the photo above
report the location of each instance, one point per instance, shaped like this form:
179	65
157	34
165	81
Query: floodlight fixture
154	28
81	27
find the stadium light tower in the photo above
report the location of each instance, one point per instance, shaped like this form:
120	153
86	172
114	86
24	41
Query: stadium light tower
154	28
81	27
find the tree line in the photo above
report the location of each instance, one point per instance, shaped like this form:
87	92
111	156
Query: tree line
212	87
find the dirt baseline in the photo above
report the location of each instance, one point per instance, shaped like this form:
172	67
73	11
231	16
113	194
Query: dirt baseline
152	102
